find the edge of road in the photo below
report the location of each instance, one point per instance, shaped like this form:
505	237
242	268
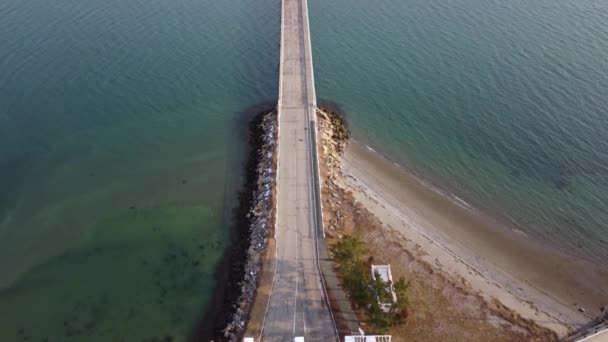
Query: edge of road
276	174
314	168
313	134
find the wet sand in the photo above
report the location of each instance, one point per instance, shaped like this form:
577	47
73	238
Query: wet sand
500	262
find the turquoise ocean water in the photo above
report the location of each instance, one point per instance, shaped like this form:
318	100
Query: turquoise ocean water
120	154
119	147
502	103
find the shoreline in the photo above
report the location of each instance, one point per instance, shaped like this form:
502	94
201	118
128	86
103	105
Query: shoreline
241	266
469	202
520	286
537	282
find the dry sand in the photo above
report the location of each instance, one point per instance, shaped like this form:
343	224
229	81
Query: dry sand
505	268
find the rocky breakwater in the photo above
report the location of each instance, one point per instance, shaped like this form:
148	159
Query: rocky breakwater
334	136
255	218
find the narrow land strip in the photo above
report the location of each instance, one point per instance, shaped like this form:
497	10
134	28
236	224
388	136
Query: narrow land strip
538	282
297	304
442	306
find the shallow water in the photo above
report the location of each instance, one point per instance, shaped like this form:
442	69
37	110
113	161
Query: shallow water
120	144
141	275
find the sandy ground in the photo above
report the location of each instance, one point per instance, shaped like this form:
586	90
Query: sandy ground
503	266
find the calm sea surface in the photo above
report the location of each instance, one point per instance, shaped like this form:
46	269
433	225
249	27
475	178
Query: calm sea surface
502	102
119	157
119	147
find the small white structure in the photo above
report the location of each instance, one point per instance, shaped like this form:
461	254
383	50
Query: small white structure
384	271
371	338
298	339
248	339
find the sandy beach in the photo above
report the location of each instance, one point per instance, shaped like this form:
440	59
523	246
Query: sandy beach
554	290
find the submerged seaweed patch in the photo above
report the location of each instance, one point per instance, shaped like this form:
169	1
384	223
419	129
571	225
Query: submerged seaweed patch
141	269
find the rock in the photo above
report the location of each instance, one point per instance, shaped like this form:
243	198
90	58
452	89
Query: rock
260	211
581	309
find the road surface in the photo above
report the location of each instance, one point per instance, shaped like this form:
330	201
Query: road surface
297	304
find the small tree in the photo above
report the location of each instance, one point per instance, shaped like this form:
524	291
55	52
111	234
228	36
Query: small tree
347	251
378	318
399	308
358	282
382	289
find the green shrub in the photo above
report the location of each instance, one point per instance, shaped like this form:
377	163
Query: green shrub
365	292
